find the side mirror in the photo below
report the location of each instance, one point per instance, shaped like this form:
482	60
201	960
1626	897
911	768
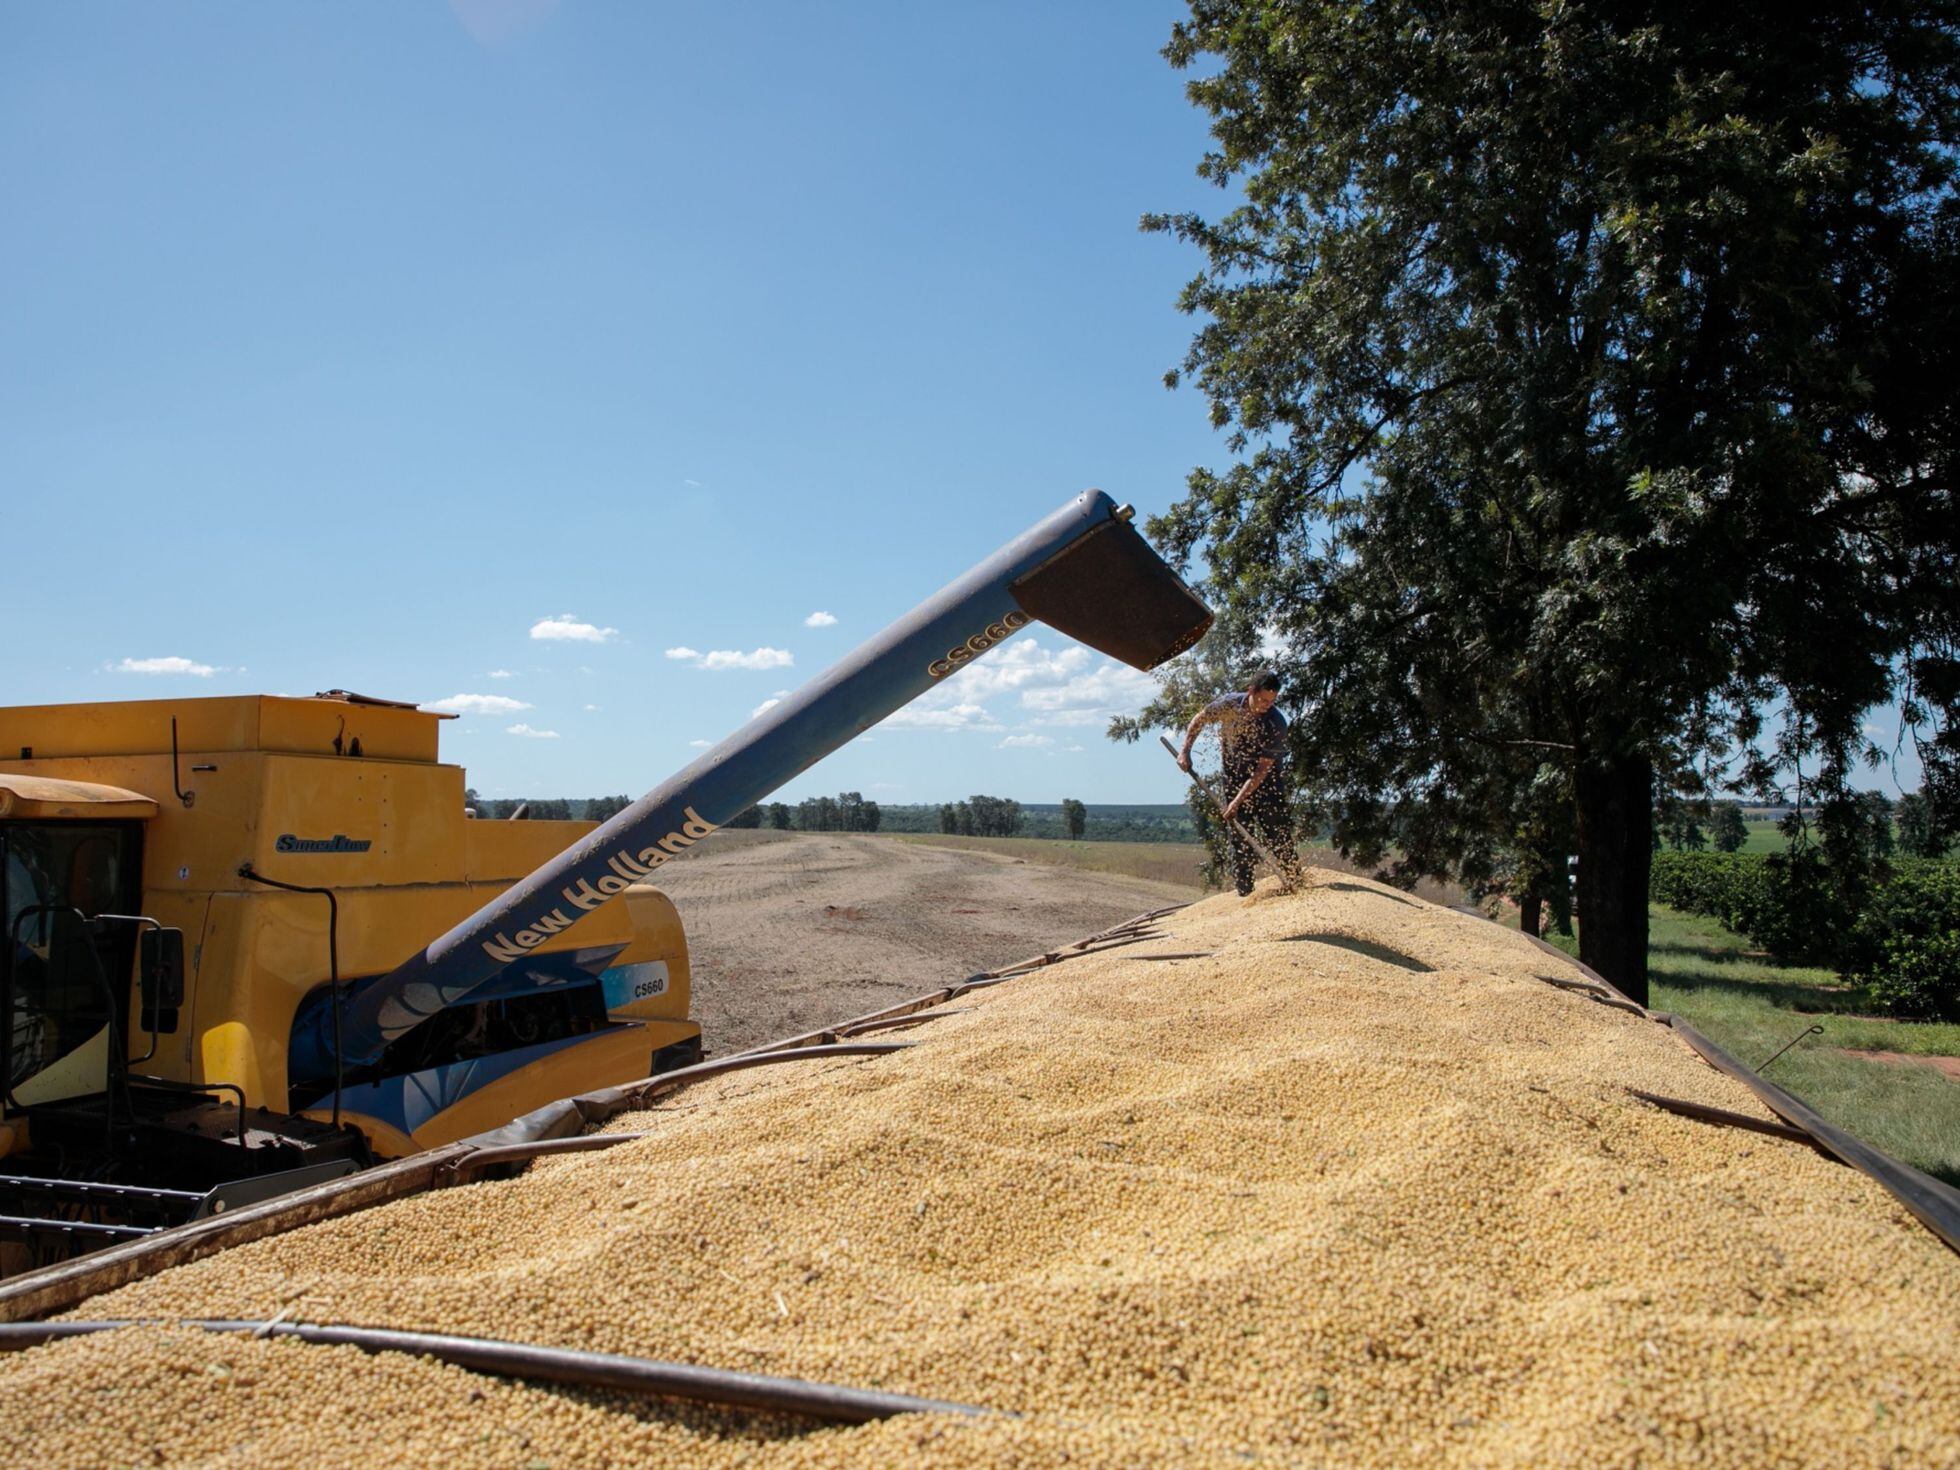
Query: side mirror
161	968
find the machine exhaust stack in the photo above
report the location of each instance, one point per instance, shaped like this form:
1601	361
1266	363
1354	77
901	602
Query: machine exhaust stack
1084	570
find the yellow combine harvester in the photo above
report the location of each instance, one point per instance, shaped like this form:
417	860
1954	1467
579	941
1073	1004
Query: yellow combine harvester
332	792
125	830
217	976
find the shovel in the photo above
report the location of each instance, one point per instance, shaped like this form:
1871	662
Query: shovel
1287	882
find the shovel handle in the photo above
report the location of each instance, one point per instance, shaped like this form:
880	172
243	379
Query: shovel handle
1286	882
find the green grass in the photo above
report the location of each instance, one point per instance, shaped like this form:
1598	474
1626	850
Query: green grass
1764	836
1749	1005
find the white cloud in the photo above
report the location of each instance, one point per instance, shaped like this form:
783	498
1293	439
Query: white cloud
692	484
526	730
502	674
1109	688
1017	666
734	658
476	704
820	620
1071	747
170	665
764	708
756	658
1024	742
566	628
1053	687
590	708
922	714
1077	717
702	744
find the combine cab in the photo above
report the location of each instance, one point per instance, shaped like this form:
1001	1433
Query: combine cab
218	982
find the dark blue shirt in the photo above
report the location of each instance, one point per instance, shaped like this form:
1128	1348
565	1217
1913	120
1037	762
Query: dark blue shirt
1247	738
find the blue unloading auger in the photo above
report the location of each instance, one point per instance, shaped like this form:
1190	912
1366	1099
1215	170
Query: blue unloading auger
1083	570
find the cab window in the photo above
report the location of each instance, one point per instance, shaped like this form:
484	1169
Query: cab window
62	979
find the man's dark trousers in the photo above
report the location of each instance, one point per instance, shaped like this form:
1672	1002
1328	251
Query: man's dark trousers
1265	814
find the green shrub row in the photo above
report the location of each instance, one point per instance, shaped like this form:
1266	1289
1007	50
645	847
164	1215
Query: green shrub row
1895	931
1906	945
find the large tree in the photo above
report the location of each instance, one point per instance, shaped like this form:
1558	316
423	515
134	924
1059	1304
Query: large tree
1075	818
1728	831
1589	372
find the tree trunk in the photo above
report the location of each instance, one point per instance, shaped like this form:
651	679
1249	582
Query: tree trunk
1614	805
1558	901
1529	908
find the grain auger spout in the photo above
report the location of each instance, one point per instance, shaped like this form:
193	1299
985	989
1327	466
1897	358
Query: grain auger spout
1084	570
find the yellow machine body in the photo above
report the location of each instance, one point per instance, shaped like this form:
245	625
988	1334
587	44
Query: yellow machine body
333	794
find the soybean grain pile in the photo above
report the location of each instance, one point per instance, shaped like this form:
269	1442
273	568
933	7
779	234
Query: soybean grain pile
1352	1187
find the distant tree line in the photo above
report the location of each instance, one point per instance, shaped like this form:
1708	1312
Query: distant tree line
1866	827
847	811
981	816
1099	823
1694	826
545	808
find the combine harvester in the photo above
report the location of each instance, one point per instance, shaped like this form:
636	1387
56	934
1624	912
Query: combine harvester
208	904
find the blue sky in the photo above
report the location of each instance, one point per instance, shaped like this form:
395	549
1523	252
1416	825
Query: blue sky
371	345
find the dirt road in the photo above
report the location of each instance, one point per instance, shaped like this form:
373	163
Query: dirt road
790	931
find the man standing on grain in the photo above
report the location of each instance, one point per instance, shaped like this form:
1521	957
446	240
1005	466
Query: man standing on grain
1253	735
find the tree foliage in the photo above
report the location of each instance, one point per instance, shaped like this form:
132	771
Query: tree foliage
994	816
533	808
1920	835
601	808
1679	822
1589	371
981	816
848	811
1075	818
1727	830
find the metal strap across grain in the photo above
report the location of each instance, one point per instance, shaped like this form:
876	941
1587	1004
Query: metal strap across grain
537	1363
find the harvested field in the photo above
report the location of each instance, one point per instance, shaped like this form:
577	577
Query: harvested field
790	931
1352	1185
1178	863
